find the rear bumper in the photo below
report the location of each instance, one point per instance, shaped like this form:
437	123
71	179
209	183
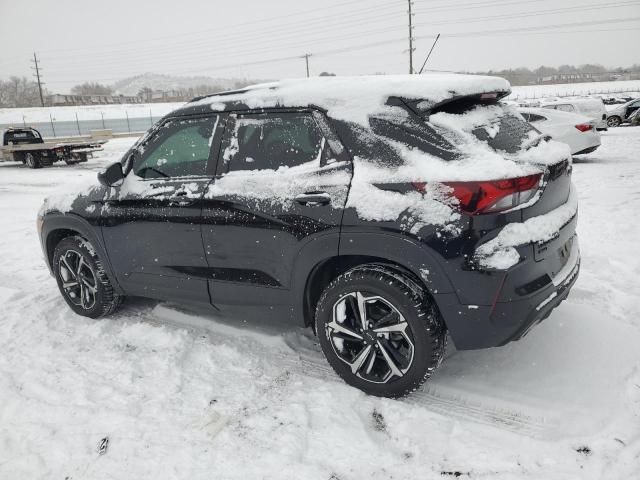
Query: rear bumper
532	310
492	306
526	295
587	150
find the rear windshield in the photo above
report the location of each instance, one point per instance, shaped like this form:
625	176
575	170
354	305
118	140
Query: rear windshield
21	136
499	125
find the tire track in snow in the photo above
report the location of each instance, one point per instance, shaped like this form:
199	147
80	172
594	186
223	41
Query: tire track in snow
302	356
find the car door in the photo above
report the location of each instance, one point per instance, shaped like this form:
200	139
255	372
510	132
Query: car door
632	108
151	223
274	209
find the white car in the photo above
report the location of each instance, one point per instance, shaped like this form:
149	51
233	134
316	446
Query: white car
577	131
591	107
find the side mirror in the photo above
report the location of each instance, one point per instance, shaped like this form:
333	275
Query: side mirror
112	176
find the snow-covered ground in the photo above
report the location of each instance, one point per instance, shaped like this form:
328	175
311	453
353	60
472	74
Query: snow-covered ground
183	394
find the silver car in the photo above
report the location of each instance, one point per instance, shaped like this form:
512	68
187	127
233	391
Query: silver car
622	113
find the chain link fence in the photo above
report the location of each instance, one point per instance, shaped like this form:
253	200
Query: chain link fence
83	124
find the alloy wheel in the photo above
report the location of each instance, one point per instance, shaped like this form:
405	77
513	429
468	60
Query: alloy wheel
613	121
371	336
78	279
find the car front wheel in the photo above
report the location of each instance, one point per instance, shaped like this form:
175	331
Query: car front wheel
380	331
82	280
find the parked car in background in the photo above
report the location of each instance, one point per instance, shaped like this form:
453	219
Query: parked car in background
377	210
591	107
577	131
622	113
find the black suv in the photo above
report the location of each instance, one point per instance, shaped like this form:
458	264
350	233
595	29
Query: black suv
382	212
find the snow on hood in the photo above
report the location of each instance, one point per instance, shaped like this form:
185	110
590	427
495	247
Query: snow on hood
63	201
354	99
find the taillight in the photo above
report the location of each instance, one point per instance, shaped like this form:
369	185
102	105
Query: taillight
584	127
490	196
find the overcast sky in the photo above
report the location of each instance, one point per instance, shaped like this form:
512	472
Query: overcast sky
80	40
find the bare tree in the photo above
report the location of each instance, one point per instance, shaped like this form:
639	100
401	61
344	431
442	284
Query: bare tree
19	92
91	88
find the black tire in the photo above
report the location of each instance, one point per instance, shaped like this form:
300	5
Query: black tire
614	121
19	157
87	276
382	291
32	160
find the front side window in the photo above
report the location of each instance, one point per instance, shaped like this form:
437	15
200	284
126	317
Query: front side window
179	148
270	141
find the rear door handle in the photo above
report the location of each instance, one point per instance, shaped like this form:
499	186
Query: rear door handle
313	199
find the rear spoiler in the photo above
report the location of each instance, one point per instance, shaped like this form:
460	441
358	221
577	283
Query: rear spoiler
424	108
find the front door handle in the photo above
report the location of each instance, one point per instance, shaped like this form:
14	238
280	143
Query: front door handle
313	199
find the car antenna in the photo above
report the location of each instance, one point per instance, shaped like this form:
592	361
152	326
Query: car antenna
429	54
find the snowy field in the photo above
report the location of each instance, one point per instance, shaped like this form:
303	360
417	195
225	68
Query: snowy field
182	394
567	89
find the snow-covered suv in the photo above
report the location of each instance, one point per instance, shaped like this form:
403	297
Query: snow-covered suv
384	212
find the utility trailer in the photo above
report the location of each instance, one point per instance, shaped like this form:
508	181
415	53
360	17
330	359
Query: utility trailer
26	145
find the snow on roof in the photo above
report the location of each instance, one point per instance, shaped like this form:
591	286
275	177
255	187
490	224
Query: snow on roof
356	98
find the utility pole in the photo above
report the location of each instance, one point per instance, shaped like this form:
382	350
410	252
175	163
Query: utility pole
410	37
306	59
35	61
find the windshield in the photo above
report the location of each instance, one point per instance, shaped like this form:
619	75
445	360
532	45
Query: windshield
499	125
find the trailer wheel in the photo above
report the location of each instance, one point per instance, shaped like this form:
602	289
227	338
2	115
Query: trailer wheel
18	157
32	160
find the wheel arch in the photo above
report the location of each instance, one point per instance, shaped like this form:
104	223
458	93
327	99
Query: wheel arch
57	226
398	253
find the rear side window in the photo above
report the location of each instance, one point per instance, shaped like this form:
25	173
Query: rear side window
179	148
272	140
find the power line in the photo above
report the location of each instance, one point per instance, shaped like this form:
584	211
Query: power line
240	31
535	13
198	54
538	29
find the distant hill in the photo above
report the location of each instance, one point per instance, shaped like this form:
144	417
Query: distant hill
155	81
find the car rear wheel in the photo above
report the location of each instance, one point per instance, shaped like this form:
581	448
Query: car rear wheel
380	331
32	160
82	280
614	121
